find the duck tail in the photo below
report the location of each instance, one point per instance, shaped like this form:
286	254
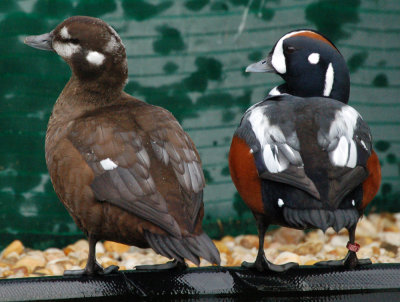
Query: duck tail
191	247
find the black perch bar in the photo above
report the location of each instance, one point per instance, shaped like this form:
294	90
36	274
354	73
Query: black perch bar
366	283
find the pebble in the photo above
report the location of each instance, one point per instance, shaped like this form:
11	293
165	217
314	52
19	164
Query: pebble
378	235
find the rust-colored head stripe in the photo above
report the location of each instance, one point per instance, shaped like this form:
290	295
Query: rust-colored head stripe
314	35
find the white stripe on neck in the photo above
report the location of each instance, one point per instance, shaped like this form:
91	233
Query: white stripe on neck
329	77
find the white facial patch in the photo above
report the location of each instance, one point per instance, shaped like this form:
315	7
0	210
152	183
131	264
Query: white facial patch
313	58
329	77
278	57
108	164
66	50
280	203
95	58
64	33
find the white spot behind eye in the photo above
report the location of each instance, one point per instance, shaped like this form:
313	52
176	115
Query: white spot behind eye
95	58
280	203
64	33
278	58
353	202
313	58
108	164
329	77
66	50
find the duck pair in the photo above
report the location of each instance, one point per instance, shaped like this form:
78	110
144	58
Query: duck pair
127	172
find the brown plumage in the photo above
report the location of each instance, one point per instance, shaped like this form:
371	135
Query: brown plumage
125	170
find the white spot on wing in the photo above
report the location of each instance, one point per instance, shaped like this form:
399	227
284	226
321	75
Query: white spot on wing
343	127
64	33
95	58
278	58
339	156
108	164
280	203
264	133
329	77
66	50
313	58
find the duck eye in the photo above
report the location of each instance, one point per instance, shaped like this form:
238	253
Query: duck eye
290	49
73	41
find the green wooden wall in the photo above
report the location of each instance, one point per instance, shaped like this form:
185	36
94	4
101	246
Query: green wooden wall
189	57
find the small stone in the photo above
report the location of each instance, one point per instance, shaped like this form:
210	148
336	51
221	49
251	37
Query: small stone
43	272
391	237
111	246
31	262
249	241
311	247
376	251
15	246
222	248
288	236
52	254
339	240
286	257
311	262
389	247
339	252
56	269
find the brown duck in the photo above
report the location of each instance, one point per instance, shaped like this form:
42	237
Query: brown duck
124	169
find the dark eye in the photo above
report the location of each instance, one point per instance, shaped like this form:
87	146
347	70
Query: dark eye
73	41
289	49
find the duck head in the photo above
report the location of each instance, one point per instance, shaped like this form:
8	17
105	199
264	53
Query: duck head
92	49
310	64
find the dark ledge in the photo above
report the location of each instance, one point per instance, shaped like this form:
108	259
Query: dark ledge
211	283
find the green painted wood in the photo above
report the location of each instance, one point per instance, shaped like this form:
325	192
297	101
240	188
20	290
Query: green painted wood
188	56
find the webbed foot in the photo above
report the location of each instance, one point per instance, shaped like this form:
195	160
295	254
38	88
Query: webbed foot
174	264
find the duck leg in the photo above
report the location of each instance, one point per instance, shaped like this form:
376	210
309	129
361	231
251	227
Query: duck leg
262	264
92	266
351	260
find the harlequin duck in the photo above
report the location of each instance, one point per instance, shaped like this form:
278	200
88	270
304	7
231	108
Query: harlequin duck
125	170
302	158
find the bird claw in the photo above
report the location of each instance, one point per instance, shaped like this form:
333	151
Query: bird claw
262	264
350	261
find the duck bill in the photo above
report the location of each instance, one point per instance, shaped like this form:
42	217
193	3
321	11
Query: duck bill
43	42
262	66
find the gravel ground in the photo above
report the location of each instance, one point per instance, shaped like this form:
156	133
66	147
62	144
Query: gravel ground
378	235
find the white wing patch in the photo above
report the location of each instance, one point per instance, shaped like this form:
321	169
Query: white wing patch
108	164
342	128
278	57
269	137
66	50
